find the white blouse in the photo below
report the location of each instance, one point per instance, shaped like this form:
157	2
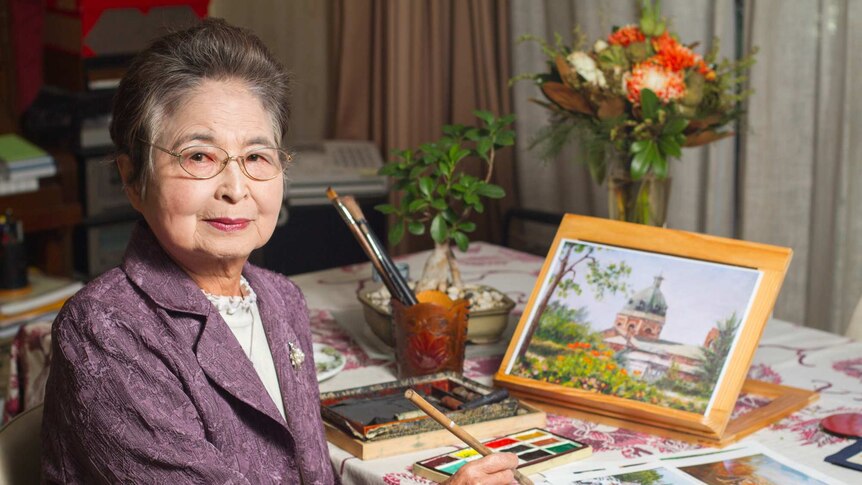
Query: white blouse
243	319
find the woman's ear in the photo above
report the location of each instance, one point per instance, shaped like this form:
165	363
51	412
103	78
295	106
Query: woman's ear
124	165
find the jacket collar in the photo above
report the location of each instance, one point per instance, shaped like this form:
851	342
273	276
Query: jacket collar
153	271
219	354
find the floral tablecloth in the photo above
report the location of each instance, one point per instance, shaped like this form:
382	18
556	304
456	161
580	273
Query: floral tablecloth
788	354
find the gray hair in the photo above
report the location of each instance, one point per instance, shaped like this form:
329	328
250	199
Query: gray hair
173	66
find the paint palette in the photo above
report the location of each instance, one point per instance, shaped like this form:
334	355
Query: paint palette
537	450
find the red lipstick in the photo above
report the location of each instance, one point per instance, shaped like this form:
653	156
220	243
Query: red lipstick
227	224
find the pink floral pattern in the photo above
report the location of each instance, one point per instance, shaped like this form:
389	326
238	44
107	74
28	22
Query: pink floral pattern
765	373
849	367
481	366
746	403
30	359
804	425
327	331
404	478
631	444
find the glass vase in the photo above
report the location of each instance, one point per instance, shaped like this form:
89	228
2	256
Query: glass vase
641	201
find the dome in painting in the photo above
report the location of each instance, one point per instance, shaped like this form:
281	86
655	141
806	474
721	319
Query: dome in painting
649	300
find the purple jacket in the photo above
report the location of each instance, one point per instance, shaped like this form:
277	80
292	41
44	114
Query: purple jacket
149	385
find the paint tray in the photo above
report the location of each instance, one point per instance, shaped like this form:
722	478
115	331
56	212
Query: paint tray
399	427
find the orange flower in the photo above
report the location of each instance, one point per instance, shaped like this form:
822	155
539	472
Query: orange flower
612	366
623	372
637	372
673	55
573	346
666	84
708	73
626	35
595	353
676	57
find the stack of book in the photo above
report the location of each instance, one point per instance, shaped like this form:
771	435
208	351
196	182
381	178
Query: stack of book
22	164
44	294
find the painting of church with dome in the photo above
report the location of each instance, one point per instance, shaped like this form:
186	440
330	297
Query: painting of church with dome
638	325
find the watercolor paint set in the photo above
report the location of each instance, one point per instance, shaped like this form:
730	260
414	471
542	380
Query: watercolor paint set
381	411
537	450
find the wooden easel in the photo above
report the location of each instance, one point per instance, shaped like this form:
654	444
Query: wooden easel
784	400
715	426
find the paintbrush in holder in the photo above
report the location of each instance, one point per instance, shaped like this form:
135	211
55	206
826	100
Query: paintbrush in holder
355	219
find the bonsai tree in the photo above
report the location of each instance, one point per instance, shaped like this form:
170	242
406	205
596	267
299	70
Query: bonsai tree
438	196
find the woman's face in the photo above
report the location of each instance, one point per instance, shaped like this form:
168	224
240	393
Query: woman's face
204	224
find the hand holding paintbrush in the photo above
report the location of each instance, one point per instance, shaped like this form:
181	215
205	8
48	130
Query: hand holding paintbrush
463	435
355	219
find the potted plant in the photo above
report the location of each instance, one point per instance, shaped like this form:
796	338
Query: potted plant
438	198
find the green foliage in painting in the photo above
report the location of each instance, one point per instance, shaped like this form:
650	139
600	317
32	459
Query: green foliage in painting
716	354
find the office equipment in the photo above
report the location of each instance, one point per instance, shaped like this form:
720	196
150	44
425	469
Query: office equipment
310	235
346	166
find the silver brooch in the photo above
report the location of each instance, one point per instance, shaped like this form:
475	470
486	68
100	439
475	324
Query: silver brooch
297	356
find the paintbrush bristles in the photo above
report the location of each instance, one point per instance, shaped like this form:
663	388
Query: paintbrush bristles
352	207
331	194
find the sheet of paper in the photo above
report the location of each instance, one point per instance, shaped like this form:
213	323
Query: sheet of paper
749	463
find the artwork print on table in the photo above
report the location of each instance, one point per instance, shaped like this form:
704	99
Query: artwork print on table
758	468
663	476
634	324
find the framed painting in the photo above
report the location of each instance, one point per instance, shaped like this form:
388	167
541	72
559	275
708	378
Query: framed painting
651	327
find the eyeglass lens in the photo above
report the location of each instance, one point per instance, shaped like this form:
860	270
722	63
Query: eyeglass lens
206	161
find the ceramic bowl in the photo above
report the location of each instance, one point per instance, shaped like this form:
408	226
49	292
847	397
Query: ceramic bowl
483	327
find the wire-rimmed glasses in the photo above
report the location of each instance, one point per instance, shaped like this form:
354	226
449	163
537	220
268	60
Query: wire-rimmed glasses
207	161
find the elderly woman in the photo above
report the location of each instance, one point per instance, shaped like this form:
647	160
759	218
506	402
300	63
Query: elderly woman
187	364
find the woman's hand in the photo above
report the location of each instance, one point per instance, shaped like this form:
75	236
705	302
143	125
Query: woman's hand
490	470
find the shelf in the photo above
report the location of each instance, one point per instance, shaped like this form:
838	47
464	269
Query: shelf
49	216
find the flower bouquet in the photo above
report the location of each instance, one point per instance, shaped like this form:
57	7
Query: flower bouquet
634	100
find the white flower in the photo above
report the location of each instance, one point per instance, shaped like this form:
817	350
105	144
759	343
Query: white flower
600	45
586	67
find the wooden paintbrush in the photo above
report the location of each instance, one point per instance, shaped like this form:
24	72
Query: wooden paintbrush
458	431
355	219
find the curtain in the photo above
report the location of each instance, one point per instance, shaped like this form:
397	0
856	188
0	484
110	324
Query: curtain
406	68
792	175
298	34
